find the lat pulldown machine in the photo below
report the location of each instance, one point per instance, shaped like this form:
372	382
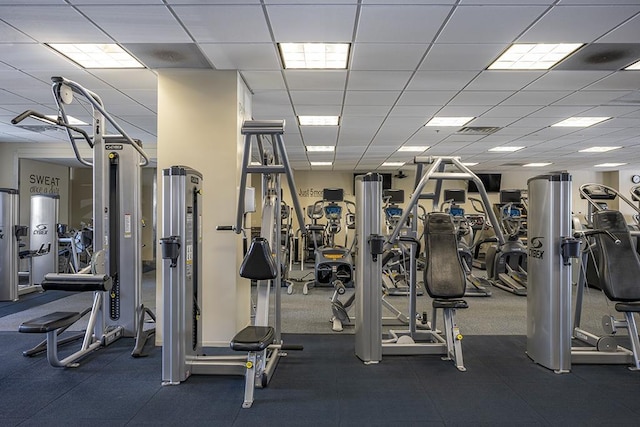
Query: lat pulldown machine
115	273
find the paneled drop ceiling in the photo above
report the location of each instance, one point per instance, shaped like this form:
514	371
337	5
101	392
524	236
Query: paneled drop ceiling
411	60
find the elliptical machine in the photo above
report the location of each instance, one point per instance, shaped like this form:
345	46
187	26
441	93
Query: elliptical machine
333	263
507	260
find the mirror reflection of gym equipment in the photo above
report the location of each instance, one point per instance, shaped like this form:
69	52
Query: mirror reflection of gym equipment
114	275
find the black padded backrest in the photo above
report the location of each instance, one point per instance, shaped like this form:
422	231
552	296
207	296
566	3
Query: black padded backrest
618	265
259	263
443	275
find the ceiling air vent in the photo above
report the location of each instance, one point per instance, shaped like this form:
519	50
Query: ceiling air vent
478	130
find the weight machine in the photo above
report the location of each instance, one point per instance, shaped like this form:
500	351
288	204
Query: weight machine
116	268
551	248
444	277
261	342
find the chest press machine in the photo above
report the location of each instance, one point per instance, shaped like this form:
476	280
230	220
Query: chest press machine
116	268
261	342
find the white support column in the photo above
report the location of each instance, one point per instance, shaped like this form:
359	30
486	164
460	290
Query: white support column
200	113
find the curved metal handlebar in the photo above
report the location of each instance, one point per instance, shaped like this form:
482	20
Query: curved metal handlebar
586	233
97	103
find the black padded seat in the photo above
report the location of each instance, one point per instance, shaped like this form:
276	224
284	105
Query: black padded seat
453	303
50	322
253	338
633	307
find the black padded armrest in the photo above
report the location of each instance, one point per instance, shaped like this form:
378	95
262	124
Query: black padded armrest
76	282
50	322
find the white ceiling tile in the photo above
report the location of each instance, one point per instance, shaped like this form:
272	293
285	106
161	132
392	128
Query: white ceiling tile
366	110
270	111
461	57
479	97
318	110
566	80
11	35
532	98
440	80
590	97
319	135
399	23
32	57
503	80
512	111
225	23
274	97
264	80
534	122
371	97
621	80
242	56
424	111
142	79
315	80
577	24
137	24
625	33
463	111
478	23
49	24
560	112
426	97
312	23
317	97
371	80
611	111
377	56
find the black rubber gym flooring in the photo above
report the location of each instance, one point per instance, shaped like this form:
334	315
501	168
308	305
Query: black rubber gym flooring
324	385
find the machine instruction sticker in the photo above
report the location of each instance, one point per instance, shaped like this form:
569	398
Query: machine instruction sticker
127	226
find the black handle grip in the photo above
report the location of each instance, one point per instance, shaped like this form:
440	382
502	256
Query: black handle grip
26	114
224	228
292	347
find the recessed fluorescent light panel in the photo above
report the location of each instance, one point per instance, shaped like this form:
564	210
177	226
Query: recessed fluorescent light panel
296	56
97	55
580	122
255	164
537	165
598	149
634	66
321	163
505	149
609	165
531	56
449	121
393	164
414	148
318	120
323	148
469	163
